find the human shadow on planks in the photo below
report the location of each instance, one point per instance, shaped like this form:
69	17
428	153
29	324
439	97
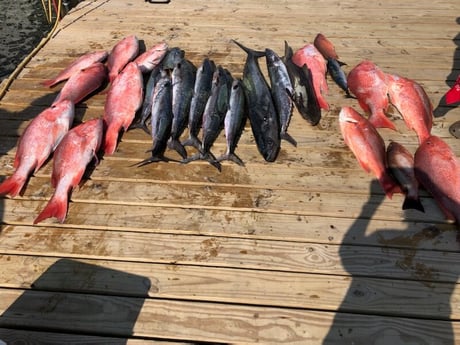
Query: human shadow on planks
442	109
77	303
422	317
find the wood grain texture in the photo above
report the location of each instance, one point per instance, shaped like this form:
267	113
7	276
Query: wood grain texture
304	250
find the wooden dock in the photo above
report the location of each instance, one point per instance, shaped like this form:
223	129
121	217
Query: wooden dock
305	250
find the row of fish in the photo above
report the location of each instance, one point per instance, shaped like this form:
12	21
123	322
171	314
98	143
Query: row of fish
51	132
433	163
177	96
180	96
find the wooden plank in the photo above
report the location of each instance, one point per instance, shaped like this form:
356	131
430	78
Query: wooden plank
304	250
245	253
223	285
205	321
222	205
16	336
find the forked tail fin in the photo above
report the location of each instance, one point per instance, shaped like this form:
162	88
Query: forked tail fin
49	82
111	140
56	207
12	185
379	120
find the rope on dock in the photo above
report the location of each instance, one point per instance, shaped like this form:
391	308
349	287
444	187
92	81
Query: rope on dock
7	82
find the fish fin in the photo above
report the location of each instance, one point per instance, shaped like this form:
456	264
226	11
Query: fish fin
111	140
341	63
322	102
49	82
250	51
12	186
175	144
389	185
381	121
151	159
414	204
453	95
195	157
286	136
231	157
141	125
56	207
194	142
208	156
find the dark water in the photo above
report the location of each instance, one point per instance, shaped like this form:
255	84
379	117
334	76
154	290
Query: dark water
22	26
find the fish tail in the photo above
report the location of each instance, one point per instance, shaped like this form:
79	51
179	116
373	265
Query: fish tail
322	102
453	95
381	121
12	186
286	136
250	51
208	156
389	185
56	207
111	140
193	141
175	144
195	157
231	157
48	82
412	203
141	125
152	159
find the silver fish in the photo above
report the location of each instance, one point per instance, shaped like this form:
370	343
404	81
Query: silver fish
213	117
304	96
161	119
261	110
183	81
235	120
202	91
282	92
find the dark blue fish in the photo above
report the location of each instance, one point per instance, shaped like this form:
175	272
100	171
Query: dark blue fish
213	117
261	110
304	96
146	111
338	75
172	58
161	119
282	92
235	120
202	91
183	81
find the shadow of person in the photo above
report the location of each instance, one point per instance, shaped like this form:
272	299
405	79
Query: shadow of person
394	295
72	298
442	108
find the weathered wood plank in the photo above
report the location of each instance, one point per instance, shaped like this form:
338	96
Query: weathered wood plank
204	321
151	247
16	336
249	287
304	250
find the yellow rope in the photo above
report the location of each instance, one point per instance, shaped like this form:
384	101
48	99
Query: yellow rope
7	82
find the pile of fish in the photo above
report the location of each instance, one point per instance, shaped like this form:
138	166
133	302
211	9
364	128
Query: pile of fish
433	163
74	148
177	96
170	95
180	96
